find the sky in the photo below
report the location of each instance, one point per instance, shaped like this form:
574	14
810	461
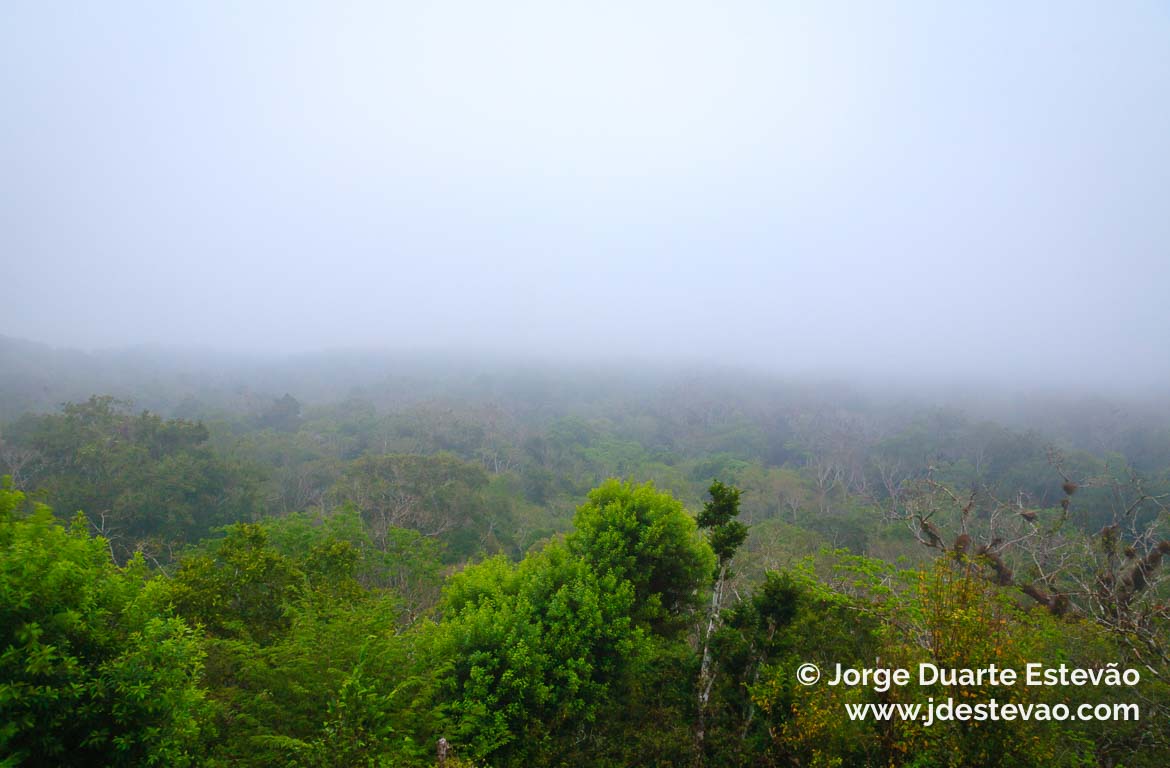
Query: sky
884	188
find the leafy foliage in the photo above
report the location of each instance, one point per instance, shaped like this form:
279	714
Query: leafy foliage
534	653
645	537
145	482
93	669
306	584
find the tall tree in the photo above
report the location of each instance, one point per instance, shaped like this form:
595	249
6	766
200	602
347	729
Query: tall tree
725	534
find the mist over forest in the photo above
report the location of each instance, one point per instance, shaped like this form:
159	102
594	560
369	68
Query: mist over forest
899	190
551	384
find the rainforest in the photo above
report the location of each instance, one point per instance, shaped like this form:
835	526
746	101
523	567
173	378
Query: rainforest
520	384
550	568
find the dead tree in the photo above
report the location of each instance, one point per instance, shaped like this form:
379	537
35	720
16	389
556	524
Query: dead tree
1115	577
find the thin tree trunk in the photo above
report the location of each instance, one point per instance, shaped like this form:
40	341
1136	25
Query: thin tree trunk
706	670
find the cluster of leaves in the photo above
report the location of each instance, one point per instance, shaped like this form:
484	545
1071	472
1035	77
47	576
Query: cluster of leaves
93	669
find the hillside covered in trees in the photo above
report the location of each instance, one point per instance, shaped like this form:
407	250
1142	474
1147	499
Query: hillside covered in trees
559	567
567	384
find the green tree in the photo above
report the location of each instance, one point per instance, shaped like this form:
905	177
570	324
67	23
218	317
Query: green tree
407	564
753	634
725	534
529	656
241	588
284	415
645	536
93	668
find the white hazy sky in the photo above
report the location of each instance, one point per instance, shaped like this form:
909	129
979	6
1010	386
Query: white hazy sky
863	186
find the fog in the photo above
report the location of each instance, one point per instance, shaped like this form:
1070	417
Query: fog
892	190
